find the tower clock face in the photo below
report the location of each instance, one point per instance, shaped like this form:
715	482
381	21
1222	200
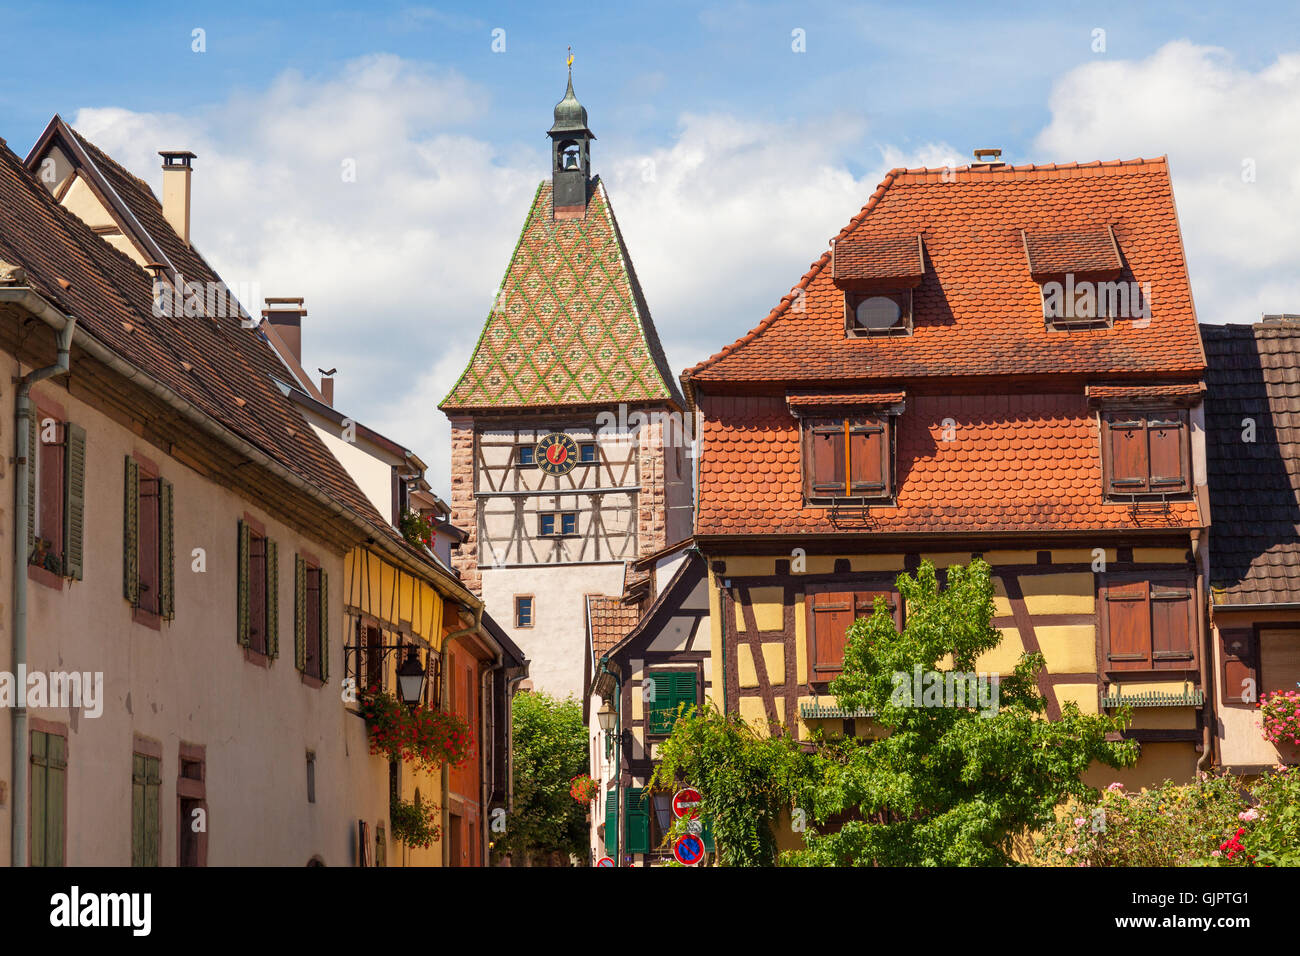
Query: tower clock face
557	453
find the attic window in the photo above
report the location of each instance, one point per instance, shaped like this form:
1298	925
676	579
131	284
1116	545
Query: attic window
1077	271
878	313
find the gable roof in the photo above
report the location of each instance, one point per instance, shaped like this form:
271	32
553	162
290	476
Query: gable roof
570	324
977	310
1253	379
213	364
608	622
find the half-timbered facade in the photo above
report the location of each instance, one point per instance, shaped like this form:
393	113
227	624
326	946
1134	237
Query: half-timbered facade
568	456
989	361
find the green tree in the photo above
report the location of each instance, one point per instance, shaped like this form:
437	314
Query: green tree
746	780
948	784
550	749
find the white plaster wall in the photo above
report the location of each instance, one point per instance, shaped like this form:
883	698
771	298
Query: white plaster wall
190	681
373	476
556	643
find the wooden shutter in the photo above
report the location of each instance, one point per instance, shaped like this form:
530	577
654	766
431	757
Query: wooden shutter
149	537
40	788
672	688
1128	625
245	539
824	466
1240	646
299	613
869	459
49	770
74	502
272	599
830	616
33	446
637	820
324	627
131	534
611	822
1127	445
1173	624
146	782
166	550
1167	444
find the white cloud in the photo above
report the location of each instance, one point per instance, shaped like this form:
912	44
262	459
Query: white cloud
1214	119
399	267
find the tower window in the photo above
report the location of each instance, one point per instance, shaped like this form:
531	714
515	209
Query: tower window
523	610
557	524
526	456
587	452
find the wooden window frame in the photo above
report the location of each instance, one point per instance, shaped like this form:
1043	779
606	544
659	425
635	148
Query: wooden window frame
903	298
1063	323
808	427
1188	669
558	517
191	789
152	615
1108	417
532	609
595	453
310	565
1248	657
50	482
851	587
519	462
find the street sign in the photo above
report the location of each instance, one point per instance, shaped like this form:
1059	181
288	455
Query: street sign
685	801
688	850
605	861
694	826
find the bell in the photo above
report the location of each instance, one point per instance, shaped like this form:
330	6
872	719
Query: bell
571	159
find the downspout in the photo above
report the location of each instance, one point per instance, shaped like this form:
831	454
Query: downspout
618	761
1208	718
446	768
484	822
22	408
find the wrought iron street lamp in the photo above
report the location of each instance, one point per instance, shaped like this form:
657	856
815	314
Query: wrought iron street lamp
411	677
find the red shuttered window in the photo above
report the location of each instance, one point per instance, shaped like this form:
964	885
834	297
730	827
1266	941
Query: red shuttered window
1150	623
831	612
847	458
1146	453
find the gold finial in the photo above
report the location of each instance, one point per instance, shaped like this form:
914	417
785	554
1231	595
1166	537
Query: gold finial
569	61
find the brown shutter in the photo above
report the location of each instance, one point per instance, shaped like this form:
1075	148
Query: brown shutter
166	551
1167	443
1240	646
257	593
242	586
869	460
825	464
149	541
865	605
272	599
1173	624
74	507
51	481
1126	437
131	534
1128	625
830	616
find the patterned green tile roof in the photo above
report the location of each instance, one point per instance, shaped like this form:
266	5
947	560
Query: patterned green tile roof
570	325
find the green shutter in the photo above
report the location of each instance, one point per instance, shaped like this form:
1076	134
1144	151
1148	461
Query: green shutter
40	786
324	626
244	543
131	535
137	810
32	446
166	550
611	822
146	785
299	613
707	834
49	769
638	820
272	599
74	500
672	689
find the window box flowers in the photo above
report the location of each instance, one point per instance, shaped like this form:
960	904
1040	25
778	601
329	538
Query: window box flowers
421	736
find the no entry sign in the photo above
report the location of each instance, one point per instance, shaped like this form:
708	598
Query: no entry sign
688	849
605	861
685	801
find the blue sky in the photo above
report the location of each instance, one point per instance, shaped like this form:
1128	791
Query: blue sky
730	157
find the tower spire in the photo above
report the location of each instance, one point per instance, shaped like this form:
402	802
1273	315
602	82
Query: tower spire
570	153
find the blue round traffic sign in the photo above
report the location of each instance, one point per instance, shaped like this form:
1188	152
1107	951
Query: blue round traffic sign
689	849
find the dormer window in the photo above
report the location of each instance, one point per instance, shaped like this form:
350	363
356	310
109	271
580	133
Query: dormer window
878	313
1077	272
877	275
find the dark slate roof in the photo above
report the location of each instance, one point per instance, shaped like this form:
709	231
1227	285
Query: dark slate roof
1253	376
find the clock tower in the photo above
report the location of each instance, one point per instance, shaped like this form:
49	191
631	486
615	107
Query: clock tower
569	456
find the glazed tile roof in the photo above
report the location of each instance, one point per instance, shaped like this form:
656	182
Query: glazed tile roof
1072	250
1254	377
609	620
215	364
1017	463
570	325
978	310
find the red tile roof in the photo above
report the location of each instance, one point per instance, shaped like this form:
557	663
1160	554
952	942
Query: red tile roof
1016	463
609	620
1168	390
1073	250
978	310
821	398
860	256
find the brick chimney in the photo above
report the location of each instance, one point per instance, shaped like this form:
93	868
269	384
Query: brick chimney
327	385
285	316
177	166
